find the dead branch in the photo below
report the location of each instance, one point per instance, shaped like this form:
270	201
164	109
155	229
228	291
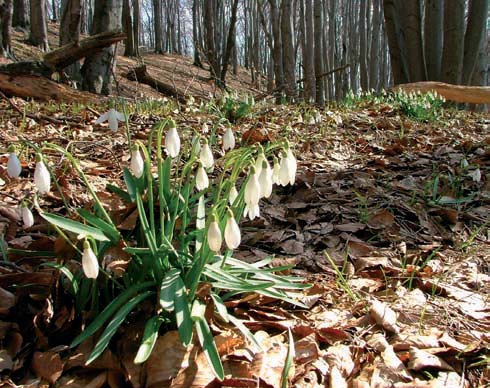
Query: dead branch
456	93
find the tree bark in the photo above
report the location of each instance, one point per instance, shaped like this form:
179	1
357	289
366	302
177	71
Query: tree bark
433	32
195	33
476	27
277	51
136	27
19	18
375	51
318	47
230	43
363	46
411	24
392	26
71	11
5	23
453	46
158	26
39	32
309	52
127	23
288	53
98	69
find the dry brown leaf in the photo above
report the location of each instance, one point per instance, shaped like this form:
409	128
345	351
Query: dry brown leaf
6	362
340	357
269	364
7	300
382	219
306	349
47	365
420	359
383	315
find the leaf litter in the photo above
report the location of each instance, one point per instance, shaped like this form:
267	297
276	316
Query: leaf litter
388	219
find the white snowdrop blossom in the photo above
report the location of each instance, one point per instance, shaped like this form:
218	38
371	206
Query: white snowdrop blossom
284	171
27	216
42	179
259	162
202	180
206	156
214	236
13	165
228	139
232	232
137	164
112	116
252	196
275	172
251	211
233	195
90	264
205	128
265	181
293	166
475	175
172	141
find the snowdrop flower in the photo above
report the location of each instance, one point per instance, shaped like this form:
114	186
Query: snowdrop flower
112	116
172	141
206	155
275	171
27	216
259	162
13	165
42	179
205	128
284	171
232	232
293	166
252	196
265	180
214	236
228	139
90	264
475	175
202	181
233	195
137	164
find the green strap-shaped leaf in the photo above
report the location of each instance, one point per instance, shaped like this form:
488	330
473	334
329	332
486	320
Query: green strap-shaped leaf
289	361
182	312
75	226
65	271
220	307
207	342
106	228
168	288
108	312
149	339
113	325
119	192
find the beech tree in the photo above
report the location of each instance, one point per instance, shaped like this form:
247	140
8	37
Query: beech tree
71	12
20	17
5	23
39	31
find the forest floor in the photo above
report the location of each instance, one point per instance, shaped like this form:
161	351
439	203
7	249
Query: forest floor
388	219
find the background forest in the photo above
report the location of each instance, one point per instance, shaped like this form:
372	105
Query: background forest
312	49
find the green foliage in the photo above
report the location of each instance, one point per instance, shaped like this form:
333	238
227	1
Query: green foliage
170	254
232	107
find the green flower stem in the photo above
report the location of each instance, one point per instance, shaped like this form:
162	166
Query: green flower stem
149	177
161	196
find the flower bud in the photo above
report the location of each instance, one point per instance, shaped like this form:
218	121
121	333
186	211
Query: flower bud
202	181
13	165
90	264
275	172
233	195
214	236
137	164
172	141
252	189
206	156
27	216
265	180
42	179
228	139
232	232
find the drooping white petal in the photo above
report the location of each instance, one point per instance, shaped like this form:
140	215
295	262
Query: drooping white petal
90	264
172	142
275	172
206	156
292	166
228	139
137	164
265	181
202	180
252	191
13	166
214	237
232	233
205	128
201	214
119	115
252	211
42	179
233	195
27	217
112	116
102	118
284	171
259	162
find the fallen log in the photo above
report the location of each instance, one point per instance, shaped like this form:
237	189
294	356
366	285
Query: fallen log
140	74
41	88
455	93
58	59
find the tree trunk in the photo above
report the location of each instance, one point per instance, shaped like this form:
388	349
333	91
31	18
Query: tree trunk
39	32
309	52
71	11
288	53
210	35
277	51
5	23
127	23
54	10
195	33
375	52
157	26
411	25
363	46
392	26
230	43
98	69
318	47
136	27
19	18
452	51
476	26
433	32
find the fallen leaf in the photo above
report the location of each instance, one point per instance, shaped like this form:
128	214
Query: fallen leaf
47	365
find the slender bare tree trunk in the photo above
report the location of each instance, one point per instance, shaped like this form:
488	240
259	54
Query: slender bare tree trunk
136	27
318	47
195	33
277	51
433	32
20	17
71	11
375	47
288	53
477	19
158	26
5	23
411	24
452	51
39	32
363	46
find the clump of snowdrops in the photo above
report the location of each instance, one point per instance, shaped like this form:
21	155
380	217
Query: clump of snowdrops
187	230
